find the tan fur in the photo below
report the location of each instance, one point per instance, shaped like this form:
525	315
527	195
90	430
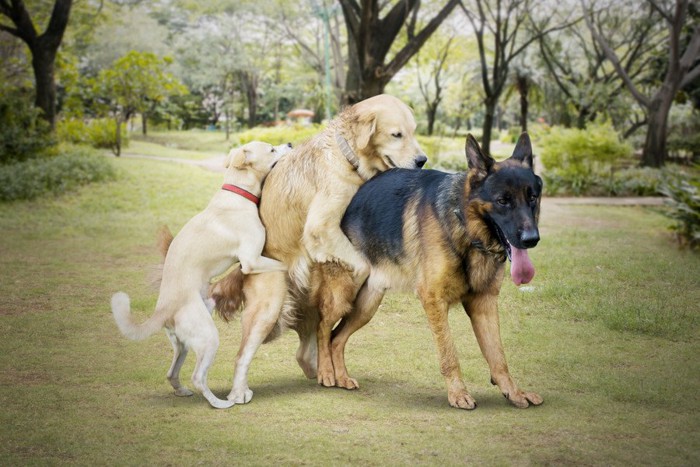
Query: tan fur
303	201
429	266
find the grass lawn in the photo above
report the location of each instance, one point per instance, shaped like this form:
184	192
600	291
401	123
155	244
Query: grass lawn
608	335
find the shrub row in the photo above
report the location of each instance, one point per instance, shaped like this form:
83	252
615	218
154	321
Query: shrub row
277	135
98	133
72	167
603	181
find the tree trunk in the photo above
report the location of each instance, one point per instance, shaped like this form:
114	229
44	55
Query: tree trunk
144	123
431	111
490	106
252	106
43	48
523	90
370	39
43	65
655	152
117	149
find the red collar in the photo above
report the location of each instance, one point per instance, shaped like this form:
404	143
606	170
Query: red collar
240	191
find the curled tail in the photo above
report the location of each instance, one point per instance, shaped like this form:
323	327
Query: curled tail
121	309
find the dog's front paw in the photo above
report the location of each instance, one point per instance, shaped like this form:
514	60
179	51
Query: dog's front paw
326	378
461	400
523	400
346	382
241	397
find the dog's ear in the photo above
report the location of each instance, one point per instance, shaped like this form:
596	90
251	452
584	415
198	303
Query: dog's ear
523	150
476	159
236	158
367	125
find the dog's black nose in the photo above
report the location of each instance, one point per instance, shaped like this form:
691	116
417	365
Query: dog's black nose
421	160
530	238
289	145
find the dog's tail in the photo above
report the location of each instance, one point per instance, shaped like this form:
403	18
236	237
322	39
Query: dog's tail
121	310
164	238
228	294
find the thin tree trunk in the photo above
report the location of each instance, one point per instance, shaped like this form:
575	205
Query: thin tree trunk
117	149
489	117
431	112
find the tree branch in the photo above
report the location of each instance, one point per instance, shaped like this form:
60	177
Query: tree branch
410	49
612	56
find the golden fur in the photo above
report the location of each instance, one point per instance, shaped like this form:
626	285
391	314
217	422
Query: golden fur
303	201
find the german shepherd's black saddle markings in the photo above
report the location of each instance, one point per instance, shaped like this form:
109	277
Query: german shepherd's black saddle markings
446	237
374	220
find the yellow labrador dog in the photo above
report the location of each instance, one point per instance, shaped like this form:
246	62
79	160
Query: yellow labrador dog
303	201
228	229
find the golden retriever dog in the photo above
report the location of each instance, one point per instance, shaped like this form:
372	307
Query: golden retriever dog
303	202
229	229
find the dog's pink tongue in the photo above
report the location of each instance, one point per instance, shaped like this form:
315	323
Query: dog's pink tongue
521	269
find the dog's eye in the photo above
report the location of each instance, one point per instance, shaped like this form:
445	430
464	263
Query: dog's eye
503	201
533	198
398	134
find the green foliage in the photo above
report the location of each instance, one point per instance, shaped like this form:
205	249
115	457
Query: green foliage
137	81
578	151
582	161
277	135
73	167
603	181
23	133
98	133
683	198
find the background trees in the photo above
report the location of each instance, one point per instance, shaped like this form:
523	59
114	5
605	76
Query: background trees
247	62
43	47
678	67
136	82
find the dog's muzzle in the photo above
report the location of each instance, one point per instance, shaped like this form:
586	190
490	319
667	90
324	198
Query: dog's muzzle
420	160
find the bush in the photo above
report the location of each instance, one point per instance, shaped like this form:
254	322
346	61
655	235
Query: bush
277	135
603	181
98	133
683	198
73	167
580	151
23	133
582	162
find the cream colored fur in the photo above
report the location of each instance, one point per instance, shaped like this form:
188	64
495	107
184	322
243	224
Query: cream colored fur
228	230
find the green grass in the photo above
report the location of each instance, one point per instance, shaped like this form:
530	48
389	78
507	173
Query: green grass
192	144
608	336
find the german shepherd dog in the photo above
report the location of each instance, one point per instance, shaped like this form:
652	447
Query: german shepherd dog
447	236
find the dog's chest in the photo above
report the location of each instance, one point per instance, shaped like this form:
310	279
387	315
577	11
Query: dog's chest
484	273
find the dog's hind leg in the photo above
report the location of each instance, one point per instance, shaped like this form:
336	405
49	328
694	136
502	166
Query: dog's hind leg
179	355
483	313
307	352
203	339
366	305
265	295
333	293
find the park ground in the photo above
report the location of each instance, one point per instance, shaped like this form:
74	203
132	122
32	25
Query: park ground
607	333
